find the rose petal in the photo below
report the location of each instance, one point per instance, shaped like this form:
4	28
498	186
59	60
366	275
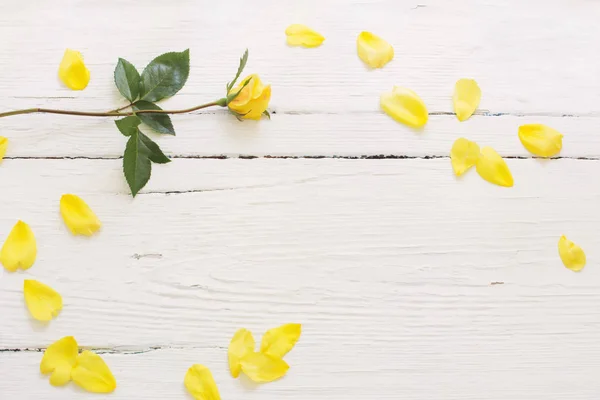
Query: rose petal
540	140
302	35
200	383
72	70
464	155
467	96
277	342
43	302
59	359
262	368
92	374
491	167
571	255
78	216
3	146
373	50
19	249
241	344
405	106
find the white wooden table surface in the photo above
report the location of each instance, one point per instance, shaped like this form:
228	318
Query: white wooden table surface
409	283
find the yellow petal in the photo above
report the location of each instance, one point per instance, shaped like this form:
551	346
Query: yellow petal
92	374
373	50
241	344
571	255
200	383
72	71
491	167
78	216
59	359
540	140
302	35
262	368
467	96
43	302
405	106
464	155
19	249
3	146
277	342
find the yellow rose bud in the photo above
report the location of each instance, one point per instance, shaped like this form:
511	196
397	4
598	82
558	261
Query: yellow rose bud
253	100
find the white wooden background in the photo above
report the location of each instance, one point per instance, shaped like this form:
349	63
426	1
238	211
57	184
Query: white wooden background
410	284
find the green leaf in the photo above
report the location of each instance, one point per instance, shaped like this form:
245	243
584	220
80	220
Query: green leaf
156	154
136	163
127	79
267	114
241	67
161	123
165	75
232	96
128	125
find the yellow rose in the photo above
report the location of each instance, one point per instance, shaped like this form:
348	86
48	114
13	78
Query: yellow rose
253	100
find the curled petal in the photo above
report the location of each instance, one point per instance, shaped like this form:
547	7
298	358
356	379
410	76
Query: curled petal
92	374
491	167
253	99
540	140
262	368
19	249
277	342
405	106
241	344
3	146
72	71
373	50
78	216
302	35
200	383
571	255
59	359
464	155
43	302
467	96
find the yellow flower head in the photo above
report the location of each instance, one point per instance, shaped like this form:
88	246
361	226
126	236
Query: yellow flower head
43	302
3	146
373	50
571	255
59	359
302	35
464	155
200	383
467	96
253	100
78	216
405	106
241	344
540	140
72	71
92	374
491	167
19	249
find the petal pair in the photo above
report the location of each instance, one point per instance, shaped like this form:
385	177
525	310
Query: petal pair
302	35
540	140
72	71
405	106
571	255
463	155
489	165
373	50
43	302
3	146
466	98
78	216
20	249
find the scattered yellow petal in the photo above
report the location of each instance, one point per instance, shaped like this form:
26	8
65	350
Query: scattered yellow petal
72	71
241	344
253	100
405	106
200	383
491	167
464	155
571	255
262	368
92	374
43	302
19	249
3	146
540	140
373	50
467	96
59	359
302	35
277	342
78	216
